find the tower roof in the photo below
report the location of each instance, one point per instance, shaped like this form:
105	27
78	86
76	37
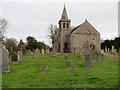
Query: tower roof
64	14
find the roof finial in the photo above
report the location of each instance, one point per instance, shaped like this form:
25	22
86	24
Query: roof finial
64	3
85	19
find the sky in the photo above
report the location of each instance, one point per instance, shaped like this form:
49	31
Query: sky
33	17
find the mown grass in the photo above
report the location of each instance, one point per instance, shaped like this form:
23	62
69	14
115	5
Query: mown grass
27	73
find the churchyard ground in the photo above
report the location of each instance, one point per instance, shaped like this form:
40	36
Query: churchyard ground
27	73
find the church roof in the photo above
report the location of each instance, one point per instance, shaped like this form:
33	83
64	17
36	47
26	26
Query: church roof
64	14
86	22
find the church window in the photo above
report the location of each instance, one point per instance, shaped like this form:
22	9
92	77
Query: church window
67	25
63	25
87	32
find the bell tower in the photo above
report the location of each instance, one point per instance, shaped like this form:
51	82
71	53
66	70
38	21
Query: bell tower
64	22
64	27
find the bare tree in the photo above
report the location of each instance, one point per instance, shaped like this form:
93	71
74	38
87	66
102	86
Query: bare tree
3	26
52	29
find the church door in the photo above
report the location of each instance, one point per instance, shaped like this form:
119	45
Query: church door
65	47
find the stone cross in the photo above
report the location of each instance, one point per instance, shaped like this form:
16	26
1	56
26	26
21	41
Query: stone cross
87	60
37	53
5	58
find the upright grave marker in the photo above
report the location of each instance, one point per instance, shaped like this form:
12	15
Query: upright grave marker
68	64
87	60
43	51
37	53
14	58
5	58
100	57
53	52
0	57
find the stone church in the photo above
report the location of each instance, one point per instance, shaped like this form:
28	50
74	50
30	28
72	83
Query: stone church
82	37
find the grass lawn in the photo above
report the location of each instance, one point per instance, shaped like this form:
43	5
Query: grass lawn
27	73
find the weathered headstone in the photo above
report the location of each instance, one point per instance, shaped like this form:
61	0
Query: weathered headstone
93	56
105	49
21	54
68	63
102	51
61	52
53	52
87	60
112	48
37	53
14	58
5	58
44	68
29	52
82	54
18	53
114	59
47	51
0	57
100	57
43	51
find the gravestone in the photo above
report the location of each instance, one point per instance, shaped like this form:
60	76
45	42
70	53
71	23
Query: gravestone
21	54
18	53
44	68
102	51
93	56
29	52
37	53
114	59
100	57
112	48
68	63
0	57
61	52
47	51
82	54
53	52
14	58
105	49
43	51
5	58
87	60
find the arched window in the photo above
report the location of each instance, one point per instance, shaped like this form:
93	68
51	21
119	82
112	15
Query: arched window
63	25
67	25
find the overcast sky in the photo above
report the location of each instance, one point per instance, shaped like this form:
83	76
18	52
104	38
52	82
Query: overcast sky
30	18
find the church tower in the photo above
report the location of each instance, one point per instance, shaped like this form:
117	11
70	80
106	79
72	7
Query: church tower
64	28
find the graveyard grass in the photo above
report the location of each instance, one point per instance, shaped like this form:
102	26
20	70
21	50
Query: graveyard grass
27	73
